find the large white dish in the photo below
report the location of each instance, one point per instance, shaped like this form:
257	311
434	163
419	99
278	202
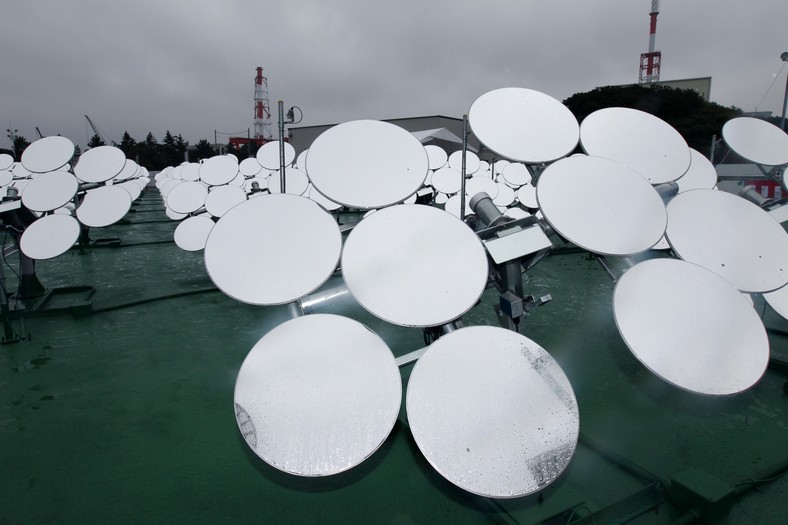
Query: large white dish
700	175
192	233
367	164
690	327
757	140
778	300
447	180
730	236
492	412
218	170
49	236
645	143
268	155
49	191
48	154
601	205
104	206
414	265
222	199
437	156
524	125
187	197
100	164
273	249
6	161
317	395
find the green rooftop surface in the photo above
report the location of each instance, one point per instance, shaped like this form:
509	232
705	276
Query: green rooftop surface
124	414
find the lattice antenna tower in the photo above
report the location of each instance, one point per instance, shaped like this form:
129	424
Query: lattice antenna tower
650	62
262	108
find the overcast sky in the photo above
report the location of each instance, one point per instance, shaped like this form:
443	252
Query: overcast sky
189	67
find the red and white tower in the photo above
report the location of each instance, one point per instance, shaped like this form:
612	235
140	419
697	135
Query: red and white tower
650	62
262	109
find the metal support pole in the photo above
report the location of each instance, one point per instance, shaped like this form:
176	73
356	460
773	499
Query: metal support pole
784	57
464	151
282	145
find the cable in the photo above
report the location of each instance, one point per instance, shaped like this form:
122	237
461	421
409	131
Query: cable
770	86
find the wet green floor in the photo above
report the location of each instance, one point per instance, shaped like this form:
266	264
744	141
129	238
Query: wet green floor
126	416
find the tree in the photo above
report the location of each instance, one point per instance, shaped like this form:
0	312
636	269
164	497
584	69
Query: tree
20	145
95	141
204	149
169	154
180	149
693	117
128	145
149	153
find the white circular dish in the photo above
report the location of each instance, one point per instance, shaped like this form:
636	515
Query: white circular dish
190	172
367	164
437	156
472	162
757	140
447	180
414	265
100	164
453	203
273	249
601	205
221	199
49	236
690	327
19	171
778	300
317	395
505	196
296	182
6	161
268	155
133	187
524	125
130	171
647	144
104	206
174	215
326	203
249	167
48	154
168	185
516	174
6	177
492	412
49	191
731	237
526	195
187	197
300	161
700	175
192	233
218	170
516	213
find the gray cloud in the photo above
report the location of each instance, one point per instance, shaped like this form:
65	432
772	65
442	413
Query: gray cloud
189	67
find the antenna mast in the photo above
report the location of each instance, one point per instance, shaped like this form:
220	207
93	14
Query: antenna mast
650	62
262	108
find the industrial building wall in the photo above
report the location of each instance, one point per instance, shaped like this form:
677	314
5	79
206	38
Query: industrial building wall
301	137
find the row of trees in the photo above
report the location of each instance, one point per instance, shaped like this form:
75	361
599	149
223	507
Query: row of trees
150	153
696	119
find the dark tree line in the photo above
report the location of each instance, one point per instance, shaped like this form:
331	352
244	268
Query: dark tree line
697	120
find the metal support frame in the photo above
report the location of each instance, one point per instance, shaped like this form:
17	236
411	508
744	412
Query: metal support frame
281	105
